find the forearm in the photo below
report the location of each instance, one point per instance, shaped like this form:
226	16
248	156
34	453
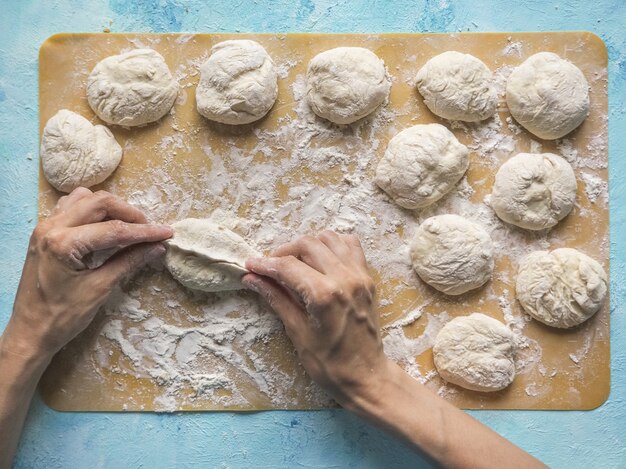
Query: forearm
20	371
404	407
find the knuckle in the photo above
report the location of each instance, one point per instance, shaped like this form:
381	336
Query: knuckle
53	241
81	191
40	232
118	226
329	295
285	261
361	287
308	241
103	197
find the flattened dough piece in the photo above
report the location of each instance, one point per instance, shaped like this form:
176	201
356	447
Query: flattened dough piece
238	83
208	257
346	84
452	254
421	165
548	95
458	86
133	88
534	190
562	288
476	352
76	153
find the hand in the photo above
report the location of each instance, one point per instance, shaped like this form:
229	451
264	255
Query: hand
58	295
322	291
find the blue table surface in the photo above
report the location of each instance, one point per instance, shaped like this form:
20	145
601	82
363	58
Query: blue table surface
289	438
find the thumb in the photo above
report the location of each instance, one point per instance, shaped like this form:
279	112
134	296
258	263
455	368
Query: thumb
127	261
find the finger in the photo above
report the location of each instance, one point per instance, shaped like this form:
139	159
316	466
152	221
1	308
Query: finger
67	200
100	206
356	249
337	245
125	262
311	251
291	273
116	234
288	310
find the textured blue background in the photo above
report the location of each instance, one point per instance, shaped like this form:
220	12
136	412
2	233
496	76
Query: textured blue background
289	439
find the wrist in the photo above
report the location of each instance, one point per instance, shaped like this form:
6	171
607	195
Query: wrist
369	397
19	347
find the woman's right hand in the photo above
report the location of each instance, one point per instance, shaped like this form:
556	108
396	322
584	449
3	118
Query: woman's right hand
322	291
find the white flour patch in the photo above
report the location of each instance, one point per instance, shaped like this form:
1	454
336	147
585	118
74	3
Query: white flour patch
595	187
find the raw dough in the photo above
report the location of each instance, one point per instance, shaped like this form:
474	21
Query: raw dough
476	352
346	84
76	153
458	86
452	254
204	256
562	288
238	83
421	164
547	95
131	89
534	191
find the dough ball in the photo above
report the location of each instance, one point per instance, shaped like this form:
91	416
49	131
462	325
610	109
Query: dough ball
346	84
452	254
534	191
75	153
476	352
208	257
421	164
131	89
562	288
548	96
238	83
458	86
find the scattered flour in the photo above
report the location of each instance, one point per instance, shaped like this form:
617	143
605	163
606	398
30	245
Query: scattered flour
212	347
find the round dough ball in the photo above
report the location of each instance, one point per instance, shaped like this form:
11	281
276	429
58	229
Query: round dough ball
548	96
476	352
238	83
131	89
76	153
562	288
458	86
208	257
534	191
346	84
421	165
452	254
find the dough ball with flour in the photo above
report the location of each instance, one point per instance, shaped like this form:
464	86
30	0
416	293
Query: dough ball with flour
452	254
238	83
208	257
131	89
421	165
75	153
534	191
458	86
346	84
476	352
548	96
562	288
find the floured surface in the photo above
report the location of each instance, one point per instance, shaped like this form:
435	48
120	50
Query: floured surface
158	346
